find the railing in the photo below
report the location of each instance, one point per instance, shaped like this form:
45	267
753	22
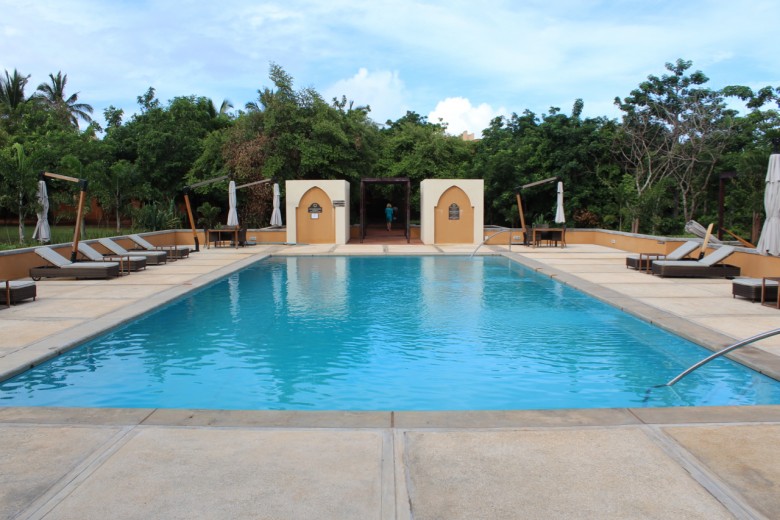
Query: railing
491	236
726	350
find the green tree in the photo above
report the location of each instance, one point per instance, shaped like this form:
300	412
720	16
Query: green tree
20	185
53	96
11	99
673	127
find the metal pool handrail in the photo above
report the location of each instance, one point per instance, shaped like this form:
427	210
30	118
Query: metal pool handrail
491	236
726	350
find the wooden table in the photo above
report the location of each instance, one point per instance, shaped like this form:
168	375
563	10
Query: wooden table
555	235
218	233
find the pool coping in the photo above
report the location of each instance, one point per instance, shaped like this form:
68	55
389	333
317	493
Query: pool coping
455	419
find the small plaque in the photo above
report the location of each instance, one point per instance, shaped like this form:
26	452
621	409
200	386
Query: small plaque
454	212
339	204
315	208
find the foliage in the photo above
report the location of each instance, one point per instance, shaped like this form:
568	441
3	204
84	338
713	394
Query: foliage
156	216
67	108
209	215
656	167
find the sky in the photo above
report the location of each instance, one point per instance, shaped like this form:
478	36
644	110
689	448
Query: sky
459	62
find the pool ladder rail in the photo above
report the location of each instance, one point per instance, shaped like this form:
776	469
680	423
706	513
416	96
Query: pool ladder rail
491	236
726	350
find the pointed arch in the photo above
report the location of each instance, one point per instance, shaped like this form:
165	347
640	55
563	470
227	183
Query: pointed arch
319	229
454	218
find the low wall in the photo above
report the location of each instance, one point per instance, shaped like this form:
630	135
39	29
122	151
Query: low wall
16	263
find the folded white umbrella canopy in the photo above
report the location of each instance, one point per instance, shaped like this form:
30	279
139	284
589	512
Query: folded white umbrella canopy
560	218
232	219
276	216
769	243
42	231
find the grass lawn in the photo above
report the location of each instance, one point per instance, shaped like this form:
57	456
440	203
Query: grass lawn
9	235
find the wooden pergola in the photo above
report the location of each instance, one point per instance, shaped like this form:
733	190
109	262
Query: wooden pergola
390	180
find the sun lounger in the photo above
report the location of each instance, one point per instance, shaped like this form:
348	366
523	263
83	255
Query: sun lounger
152	257
61	267
643	261
127	263
174	252
710	266
750	288
14	291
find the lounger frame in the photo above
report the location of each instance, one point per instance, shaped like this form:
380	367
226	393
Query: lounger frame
15	292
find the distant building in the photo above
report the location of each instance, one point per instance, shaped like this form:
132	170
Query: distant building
466	136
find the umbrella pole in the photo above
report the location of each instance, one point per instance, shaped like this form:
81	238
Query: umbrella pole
192	220
706	241
79	216
522	219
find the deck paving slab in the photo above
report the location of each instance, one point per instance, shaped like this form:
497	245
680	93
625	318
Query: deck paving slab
595	473
751	464
212	473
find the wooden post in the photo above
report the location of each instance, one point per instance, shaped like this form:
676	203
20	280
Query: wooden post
522	219
706	241
79	216
192	220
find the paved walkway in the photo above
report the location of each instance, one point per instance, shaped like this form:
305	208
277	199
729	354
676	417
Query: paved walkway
622	463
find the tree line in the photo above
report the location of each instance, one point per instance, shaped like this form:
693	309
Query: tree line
651	170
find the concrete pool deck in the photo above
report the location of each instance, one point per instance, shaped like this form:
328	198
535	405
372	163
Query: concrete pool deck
607	463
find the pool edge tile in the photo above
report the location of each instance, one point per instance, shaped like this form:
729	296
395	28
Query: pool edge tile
708	414
516	418
269	418
74	416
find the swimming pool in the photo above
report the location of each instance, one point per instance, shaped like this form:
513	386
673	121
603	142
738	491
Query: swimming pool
385	333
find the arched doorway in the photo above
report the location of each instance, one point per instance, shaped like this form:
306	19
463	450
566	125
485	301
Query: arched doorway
404	209
454	218
315	218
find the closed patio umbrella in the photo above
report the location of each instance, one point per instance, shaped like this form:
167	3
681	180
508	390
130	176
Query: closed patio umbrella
276	216
769	243
232	219
560	218
42	231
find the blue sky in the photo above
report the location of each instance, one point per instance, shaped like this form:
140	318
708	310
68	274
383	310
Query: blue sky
462	61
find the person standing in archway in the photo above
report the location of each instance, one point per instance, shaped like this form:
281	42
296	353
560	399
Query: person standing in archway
389	216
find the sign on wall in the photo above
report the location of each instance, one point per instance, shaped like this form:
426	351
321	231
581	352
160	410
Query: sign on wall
454	212
315	210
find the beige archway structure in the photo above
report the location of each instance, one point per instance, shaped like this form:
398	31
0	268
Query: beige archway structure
452	211
317	211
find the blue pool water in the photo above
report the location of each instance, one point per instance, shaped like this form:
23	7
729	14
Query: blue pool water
386	333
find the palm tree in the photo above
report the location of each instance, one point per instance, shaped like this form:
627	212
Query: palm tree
224	108
53	95
12	90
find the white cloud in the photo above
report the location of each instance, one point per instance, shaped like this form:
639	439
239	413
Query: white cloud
382	90
461	116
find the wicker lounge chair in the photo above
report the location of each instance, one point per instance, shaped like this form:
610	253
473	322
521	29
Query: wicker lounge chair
127	263
708	267
61	267
750	288
174	252
643	261
14	291
152	257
